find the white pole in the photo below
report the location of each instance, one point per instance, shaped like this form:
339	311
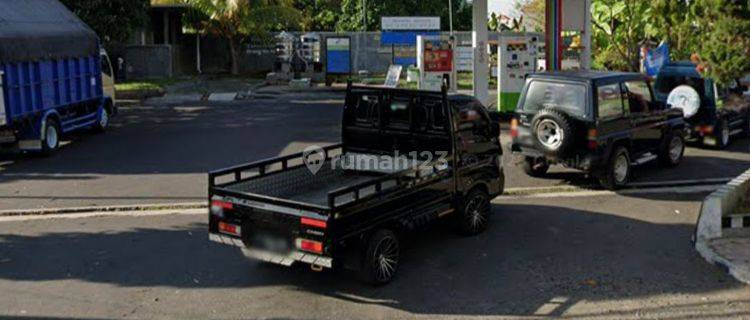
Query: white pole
198	53
479	44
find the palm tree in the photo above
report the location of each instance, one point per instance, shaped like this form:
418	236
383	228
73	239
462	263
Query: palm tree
236	20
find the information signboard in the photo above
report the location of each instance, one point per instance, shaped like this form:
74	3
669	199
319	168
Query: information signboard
338	55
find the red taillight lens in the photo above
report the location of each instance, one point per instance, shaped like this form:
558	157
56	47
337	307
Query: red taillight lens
313	223
593	137
222	204
310	246
514	128
229	228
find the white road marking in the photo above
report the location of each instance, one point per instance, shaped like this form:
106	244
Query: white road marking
106	214
589	193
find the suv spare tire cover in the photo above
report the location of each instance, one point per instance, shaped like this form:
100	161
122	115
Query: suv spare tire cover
552	131
686	98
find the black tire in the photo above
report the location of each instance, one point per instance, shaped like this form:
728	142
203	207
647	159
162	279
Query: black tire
560	134
535	167
474	213
672	149
51	138
611	178
102	124
380	259
722	134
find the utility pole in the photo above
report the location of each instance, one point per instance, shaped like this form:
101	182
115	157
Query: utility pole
450	15
364	15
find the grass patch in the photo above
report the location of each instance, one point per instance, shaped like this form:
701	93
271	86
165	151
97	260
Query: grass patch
146	85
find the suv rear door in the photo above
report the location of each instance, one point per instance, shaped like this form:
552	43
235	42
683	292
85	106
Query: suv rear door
612	121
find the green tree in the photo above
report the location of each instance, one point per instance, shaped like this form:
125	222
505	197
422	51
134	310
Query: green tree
237	20
619	32
533	13
723	38
318	15
113	20
351	15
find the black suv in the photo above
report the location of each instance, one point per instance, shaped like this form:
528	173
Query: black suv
599	122
719	112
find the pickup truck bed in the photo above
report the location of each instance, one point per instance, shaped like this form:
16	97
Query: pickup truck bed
301	185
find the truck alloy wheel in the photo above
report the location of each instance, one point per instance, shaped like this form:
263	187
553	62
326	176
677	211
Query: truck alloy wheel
381	257
474	215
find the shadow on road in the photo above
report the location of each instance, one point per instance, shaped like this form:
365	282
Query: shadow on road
532	258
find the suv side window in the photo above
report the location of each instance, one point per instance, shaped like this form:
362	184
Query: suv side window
639	96
610	101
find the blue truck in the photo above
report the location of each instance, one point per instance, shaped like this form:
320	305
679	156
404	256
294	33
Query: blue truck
50	76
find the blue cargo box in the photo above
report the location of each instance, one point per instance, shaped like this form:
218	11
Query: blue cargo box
31	88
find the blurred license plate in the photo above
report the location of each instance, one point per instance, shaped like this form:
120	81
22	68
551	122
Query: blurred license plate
711	141
273	243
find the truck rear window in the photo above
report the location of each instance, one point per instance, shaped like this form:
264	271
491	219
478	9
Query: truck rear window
568	97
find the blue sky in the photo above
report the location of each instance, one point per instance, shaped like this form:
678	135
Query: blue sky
506	7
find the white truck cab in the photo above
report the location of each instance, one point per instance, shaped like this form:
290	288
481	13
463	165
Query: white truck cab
108	76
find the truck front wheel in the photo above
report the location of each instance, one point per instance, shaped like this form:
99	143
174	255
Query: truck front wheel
380	260
474	215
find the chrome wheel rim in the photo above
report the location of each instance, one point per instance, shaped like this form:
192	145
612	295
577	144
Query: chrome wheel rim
476	210
549	134
51	137
675	149
621	168
386	258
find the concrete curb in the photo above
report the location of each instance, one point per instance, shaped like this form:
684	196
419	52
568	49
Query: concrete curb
709	229
123	208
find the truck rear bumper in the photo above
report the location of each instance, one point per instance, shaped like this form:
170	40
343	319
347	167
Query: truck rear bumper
285	260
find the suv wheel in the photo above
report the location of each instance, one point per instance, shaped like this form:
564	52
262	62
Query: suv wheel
535	167
723	136
672	150
474	215
617	171
553	133
380	260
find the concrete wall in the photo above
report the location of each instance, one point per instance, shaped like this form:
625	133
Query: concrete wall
148	62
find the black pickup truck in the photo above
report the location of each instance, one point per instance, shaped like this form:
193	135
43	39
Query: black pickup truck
406	158
599	122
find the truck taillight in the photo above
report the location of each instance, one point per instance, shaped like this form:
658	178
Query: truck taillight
514	128
229	228
310	246
593	137
313	223
218	207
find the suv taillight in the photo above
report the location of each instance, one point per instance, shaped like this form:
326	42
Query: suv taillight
593	137
514	128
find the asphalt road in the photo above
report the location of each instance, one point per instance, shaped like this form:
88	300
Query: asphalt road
574	257
161	153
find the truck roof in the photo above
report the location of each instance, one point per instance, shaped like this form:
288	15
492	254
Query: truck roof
42	29
581	75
